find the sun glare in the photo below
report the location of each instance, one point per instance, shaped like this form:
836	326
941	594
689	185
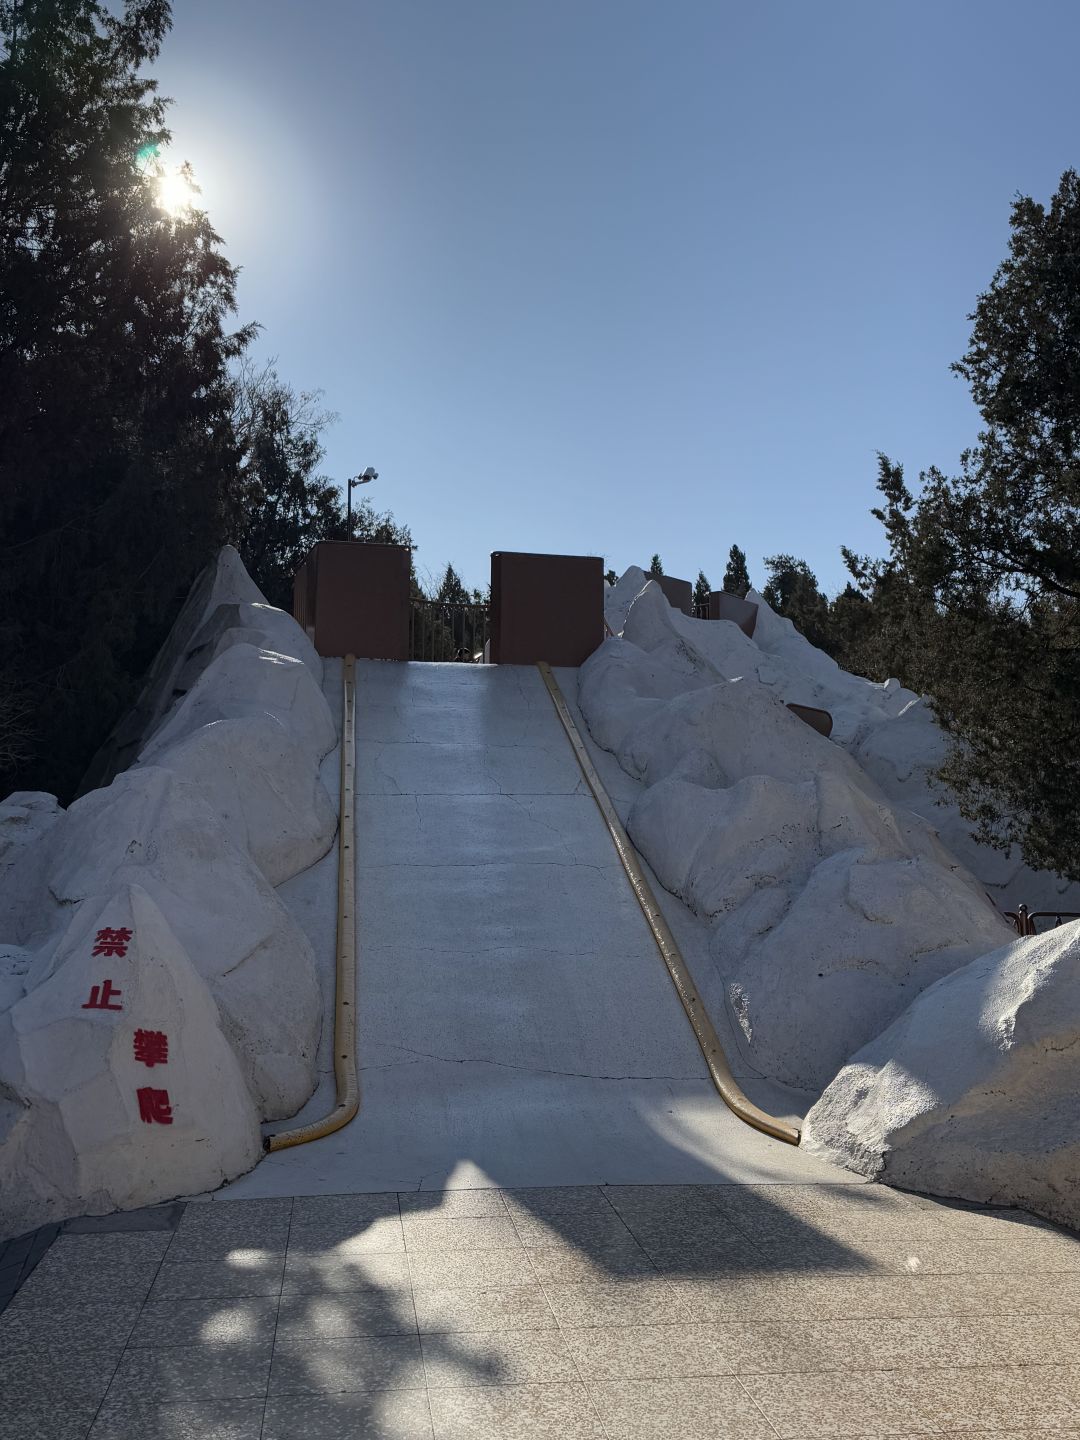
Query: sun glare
175	192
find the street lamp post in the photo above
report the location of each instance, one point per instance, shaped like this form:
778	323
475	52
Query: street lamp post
364	479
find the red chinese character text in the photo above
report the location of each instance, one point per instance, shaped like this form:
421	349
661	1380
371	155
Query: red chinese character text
100	995
154	1107
111	942
151	1047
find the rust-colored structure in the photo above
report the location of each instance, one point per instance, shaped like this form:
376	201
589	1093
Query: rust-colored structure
679	593
724	606
819	720
353	597
545	607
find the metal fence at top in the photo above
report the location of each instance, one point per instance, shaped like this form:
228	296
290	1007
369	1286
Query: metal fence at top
1023	919
440	630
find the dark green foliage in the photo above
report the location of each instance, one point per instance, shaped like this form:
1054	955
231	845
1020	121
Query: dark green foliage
656	566
611	577
736	576
281	505
792	591
116	439
978	601
702	589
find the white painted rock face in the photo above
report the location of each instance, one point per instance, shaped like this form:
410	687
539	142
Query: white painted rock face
15	963
244	681
118	1087
830	908
889	731
230	805
264	787
619	597
972	1091
156	830
893	735
25	816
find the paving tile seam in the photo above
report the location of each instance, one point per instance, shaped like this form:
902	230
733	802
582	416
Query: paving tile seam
277	1319
135	1320
555	1314
756	1403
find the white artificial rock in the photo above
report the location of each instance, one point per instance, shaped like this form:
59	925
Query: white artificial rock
223	801
888	730
244	681
972	1091
263	784
223	608
25	815
230	583
258	624
15	962
619	597
154	829
893	735
73	1139
830	907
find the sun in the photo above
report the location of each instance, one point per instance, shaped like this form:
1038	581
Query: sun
176	191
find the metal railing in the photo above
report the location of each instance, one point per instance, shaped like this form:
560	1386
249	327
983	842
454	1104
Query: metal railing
440	630
1023	919
701	612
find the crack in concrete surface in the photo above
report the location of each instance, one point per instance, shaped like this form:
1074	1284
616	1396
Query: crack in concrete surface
422	1055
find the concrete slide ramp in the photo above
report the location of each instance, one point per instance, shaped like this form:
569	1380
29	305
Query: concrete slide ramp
517	1026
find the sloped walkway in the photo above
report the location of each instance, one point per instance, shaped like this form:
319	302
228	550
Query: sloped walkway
516	1023
620	1313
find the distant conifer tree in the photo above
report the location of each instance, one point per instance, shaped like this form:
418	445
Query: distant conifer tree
736	576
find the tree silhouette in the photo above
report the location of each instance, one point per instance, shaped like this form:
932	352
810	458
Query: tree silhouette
117	449
736	576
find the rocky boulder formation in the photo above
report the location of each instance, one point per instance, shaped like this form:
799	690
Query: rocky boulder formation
215	798
972	1091
888	730
117	1085
830	907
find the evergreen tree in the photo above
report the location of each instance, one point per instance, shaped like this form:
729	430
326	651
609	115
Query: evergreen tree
451	591
655	566
281	506
702	589
611	577
736	576
981	588
116	440
792	591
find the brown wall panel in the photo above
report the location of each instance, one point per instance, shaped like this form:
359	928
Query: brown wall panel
723	606
359	598
545	607
679	593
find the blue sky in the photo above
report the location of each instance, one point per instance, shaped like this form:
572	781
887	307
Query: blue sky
616	277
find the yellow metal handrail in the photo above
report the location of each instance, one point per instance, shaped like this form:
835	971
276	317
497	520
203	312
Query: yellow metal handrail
704	1031
346	1079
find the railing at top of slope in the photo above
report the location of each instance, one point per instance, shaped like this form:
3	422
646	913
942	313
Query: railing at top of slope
1023	920
446	630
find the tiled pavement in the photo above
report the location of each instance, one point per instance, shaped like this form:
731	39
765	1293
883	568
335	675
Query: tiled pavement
631	1313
